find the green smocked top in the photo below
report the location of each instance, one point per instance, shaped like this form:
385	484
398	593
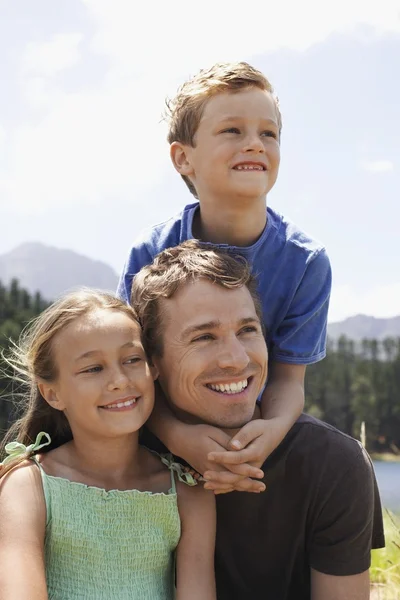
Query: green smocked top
110	545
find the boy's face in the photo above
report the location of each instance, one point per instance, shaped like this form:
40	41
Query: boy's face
236	151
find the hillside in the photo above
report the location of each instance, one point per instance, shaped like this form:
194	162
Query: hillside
52	271
363	326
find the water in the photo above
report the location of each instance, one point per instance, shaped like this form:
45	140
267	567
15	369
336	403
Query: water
388	477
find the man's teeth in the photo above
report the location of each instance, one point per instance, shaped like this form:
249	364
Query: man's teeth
121	404
249	168
229	388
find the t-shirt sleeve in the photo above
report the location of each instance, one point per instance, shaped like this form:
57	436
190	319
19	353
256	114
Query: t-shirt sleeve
139	256
347	516
301	336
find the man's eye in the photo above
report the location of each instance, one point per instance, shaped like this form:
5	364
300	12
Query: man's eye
249	329
203	338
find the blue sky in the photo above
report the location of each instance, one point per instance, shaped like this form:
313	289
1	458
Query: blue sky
83	159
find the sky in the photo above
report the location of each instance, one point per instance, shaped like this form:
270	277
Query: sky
84	162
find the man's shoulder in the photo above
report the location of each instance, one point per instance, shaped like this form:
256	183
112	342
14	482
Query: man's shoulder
323	448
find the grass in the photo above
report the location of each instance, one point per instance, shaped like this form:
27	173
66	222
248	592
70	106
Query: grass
385	567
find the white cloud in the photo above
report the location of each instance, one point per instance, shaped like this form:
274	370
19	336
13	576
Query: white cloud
378	166
382	301
52	56
190	38
99	143
88	149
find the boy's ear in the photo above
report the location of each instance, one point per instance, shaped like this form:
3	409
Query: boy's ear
180	156
49	393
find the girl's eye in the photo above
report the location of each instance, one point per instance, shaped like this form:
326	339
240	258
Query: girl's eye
133	360
95	369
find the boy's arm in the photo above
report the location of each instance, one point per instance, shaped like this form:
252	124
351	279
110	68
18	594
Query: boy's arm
195	576
281	404
299	340
195	442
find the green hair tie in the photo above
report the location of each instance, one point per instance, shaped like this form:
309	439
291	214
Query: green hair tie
16	449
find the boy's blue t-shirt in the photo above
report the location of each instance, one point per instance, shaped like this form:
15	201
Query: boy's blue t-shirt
294	280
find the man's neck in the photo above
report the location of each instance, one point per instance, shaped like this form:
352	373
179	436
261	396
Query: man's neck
232	225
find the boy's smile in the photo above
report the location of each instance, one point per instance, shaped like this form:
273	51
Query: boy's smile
236	154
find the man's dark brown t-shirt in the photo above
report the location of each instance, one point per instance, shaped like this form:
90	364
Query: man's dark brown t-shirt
321	510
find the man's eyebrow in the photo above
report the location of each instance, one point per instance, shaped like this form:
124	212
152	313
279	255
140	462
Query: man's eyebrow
214	324
91	353
200	327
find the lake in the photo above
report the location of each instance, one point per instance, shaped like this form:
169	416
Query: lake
388	476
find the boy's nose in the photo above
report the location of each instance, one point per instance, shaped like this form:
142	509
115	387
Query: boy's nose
254	143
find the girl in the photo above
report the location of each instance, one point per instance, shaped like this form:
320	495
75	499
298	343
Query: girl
94	515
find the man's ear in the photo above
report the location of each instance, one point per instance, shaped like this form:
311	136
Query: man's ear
180	156
154	371
49	393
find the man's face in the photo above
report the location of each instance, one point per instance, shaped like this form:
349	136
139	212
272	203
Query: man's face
214	362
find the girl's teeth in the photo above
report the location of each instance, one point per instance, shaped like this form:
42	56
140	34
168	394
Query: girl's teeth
121	404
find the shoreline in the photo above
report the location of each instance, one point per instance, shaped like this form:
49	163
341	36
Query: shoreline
385	457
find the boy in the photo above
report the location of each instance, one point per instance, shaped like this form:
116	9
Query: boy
224	134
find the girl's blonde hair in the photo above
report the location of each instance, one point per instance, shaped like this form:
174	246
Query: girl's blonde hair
32	360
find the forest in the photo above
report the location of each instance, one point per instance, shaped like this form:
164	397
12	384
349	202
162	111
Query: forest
355	383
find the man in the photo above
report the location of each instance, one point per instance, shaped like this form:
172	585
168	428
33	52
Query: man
309	535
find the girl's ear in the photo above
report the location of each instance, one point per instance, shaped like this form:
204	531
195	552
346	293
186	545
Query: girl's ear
49	393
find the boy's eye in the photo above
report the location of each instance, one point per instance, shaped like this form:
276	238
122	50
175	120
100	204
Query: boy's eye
231	130
269	133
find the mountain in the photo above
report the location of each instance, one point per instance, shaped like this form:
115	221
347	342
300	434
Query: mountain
363	326
52	271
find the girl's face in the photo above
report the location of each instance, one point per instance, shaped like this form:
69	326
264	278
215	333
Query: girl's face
104	384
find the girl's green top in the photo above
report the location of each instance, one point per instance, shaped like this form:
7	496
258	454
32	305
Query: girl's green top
110	545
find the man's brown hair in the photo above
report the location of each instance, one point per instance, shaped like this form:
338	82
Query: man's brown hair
173	268
184	112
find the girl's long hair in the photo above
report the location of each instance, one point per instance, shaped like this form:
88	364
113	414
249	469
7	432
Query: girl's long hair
32	361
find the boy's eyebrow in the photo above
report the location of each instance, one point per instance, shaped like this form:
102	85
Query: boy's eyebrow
96	352
238	118
214	324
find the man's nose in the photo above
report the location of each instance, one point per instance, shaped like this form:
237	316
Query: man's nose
118	380
232	354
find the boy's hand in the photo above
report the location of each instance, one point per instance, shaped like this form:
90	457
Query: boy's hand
250	446
204	440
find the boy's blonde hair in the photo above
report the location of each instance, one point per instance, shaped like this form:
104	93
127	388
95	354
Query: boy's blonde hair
184	112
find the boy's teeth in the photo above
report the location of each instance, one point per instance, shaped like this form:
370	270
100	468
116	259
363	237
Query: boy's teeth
249	168
229	388
121	404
